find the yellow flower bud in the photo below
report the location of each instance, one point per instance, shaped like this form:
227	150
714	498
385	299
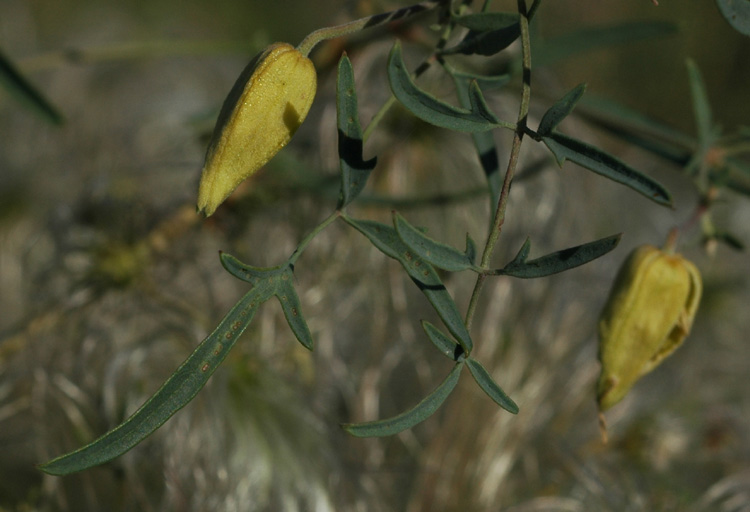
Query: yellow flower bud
265	107
649	312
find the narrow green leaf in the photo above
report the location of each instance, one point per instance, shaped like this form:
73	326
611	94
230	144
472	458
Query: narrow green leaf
522	254
444	344
730	240
292	308
354	169
560	110
489	386
560	261
243	272
433	252
639	129
596	160
18	86
410	418
485	82
487	21
484	142
174	394
432	110
386	239
701	106
486	43
737	13
599	37
471	250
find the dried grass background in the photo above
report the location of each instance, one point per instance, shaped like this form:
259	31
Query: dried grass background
108	279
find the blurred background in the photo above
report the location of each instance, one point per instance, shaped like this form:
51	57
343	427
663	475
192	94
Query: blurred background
108	278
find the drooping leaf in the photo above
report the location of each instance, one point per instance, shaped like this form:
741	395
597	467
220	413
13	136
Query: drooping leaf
174	394
737	13
432	110
444	344
354	169
559	261
600	162
292	309
386	239
412	417
560	110
437	254
489	386
701	106
18	86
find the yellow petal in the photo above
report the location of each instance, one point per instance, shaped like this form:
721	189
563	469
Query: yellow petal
267	104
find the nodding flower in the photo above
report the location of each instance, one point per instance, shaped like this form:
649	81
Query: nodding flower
648	314
260	115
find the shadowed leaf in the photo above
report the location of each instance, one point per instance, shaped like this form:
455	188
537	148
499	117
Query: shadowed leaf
432	110
558	261
354	169
600	162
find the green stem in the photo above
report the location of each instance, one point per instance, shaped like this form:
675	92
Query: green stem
424	66
315	232
309	42
515	151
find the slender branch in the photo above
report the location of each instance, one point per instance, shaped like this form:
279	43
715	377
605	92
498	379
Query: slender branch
515	151
315	232
307	44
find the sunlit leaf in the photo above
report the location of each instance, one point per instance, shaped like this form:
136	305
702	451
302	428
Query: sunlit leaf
600	162
15	83
412	417
174	394
354	169
559	261
432	110
386	239
737	13
560	110
489	386
436	253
